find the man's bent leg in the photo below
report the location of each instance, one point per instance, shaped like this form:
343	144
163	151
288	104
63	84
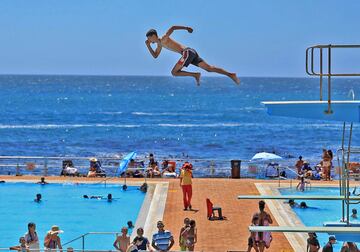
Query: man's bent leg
176	71
219	70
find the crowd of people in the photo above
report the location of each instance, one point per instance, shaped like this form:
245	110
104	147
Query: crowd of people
162	240
320	171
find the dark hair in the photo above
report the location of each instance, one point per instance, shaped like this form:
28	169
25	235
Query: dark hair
261	205
151	32
192	223
303	204
31	224
354	211
300	157
130	224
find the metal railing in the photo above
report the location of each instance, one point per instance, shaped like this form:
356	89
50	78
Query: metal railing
329	73
45	166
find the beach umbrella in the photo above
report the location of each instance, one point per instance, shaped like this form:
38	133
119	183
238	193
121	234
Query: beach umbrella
264	157
125	162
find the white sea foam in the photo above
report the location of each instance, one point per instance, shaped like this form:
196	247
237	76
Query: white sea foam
66	126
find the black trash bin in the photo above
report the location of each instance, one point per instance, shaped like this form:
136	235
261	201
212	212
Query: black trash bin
235	169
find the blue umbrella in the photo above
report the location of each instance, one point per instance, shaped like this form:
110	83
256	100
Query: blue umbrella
125	162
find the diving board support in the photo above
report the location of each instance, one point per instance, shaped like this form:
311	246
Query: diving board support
297	197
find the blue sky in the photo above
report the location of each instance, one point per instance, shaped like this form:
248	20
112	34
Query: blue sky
106	37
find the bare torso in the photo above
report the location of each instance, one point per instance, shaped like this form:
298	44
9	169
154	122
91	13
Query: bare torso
171	44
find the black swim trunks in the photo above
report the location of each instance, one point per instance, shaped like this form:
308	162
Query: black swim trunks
190	56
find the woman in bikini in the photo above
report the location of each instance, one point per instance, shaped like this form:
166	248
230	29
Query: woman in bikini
190	236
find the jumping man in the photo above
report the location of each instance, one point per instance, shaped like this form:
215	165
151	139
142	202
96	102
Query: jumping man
189	55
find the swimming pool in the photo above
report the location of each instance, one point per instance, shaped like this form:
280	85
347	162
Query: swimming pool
319	211
64	205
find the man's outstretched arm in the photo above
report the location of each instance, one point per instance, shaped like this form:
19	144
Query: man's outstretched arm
178	27
157	51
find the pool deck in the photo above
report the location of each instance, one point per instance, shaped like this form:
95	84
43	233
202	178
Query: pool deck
227	235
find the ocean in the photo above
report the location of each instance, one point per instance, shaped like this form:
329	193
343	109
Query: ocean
167	116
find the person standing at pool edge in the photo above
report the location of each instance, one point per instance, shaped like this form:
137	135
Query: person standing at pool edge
186	185
163	239
31	237
52	240
122	242
189	55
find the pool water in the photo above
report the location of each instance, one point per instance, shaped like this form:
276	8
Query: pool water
64	205
319	211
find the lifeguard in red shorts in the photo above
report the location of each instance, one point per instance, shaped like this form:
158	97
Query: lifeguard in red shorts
186	184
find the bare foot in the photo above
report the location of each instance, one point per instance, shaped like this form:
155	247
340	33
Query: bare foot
235	78
197	78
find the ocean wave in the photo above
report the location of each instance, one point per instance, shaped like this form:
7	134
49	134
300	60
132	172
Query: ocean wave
176	114
279	126
206	125
110	113
65	126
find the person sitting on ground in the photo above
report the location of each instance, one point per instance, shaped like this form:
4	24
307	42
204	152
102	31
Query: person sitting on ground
162	240
38	198
140	242
153	170
168	166
52	240
22	247
122	242
264	238
354	213
313	244
329	246
299	164
190	236
182	241
349	247
252	244
42	181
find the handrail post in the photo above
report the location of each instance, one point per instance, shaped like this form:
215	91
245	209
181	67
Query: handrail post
83	243
321	74
329	111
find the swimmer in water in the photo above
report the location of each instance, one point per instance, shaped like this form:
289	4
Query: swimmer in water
38	198
188	55
42	181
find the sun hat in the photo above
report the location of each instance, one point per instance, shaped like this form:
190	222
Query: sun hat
55	230
93	159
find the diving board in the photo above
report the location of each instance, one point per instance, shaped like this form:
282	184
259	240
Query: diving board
282	229
296	197
344	111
